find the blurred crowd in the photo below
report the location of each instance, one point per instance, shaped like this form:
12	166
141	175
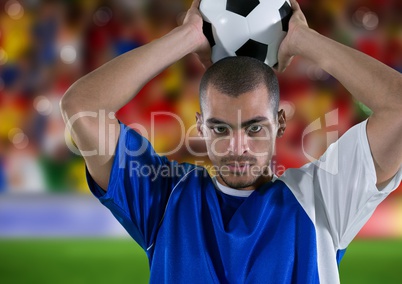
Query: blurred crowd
46	45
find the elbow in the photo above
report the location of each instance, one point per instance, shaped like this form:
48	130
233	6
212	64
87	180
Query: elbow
73	100
70	103
66	104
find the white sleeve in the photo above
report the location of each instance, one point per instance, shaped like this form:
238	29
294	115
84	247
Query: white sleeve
339	191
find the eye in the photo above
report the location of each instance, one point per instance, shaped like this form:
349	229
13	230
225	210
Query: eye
220	129
254	129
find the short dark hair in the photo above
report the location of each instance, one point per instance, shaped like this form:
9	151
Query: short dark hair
237	75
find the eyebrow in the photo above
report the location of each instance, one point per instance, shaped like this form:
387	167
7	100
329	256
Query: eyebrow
249	122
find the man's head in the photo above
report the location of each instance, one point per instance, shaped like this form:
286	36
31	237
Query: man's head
239	120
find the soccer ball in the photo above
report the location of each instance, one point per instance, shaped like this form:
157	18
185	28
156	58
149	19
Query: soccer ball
252	28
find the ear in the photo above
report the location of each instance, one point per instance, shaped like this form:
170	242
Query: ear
198	118
281	123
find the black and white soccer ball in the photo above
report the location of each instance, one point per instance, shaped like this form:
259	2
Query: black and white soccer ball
252	28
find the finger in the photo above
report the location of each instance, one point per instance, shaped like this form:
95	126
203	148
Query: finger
283	62
195	4
205	60
180	18
282	67
207	64
295	5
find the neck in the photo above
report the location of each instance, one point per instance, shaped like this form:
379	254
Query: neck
265	177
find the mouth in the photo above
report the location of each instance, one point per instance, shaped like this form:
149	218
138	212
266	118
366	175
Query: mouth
238	167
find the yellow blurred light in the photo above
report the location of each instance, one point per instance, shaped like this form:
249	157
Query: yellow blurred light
16	37
3	56
9	118
13	132
397	215
18	138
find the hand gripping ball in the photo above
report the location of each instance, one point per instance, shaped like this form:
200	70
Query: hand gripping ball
252	28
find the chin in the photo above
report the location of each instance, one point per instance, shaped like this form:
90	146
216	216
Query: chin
240	182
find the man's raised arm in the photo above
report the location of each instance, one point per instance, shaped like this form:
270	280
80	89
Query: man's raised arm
368	80
114	84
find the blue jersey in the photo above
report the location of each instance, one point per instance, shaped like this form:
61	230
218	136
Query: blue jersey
291	230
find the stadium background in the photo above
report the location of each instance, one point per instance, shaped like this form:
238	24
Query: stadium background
51	229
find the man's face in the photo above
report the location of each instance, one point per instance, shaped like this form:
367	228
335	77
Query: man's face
240	136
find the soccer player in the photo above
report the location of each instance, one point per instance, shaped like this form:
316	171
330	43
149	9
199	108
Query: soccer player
245	225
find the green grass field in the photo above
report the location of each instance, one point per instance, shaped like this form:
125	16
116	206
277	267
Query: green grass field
122	261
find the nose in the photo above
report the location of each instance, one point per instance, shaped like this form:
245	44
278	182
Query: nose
238	143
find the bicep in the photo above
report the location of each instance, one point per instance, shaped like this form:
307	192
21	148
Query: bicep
384	133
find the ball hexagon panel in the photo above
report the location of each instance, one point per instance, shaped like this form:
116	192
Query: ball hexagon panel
265	22
207	30
241	7
211	8
286	12
272	56
232	30
218	53
254	49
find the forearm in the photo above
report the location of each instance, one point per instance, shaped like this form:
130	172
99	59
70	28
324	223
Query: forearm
114	84
109	88
368	80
